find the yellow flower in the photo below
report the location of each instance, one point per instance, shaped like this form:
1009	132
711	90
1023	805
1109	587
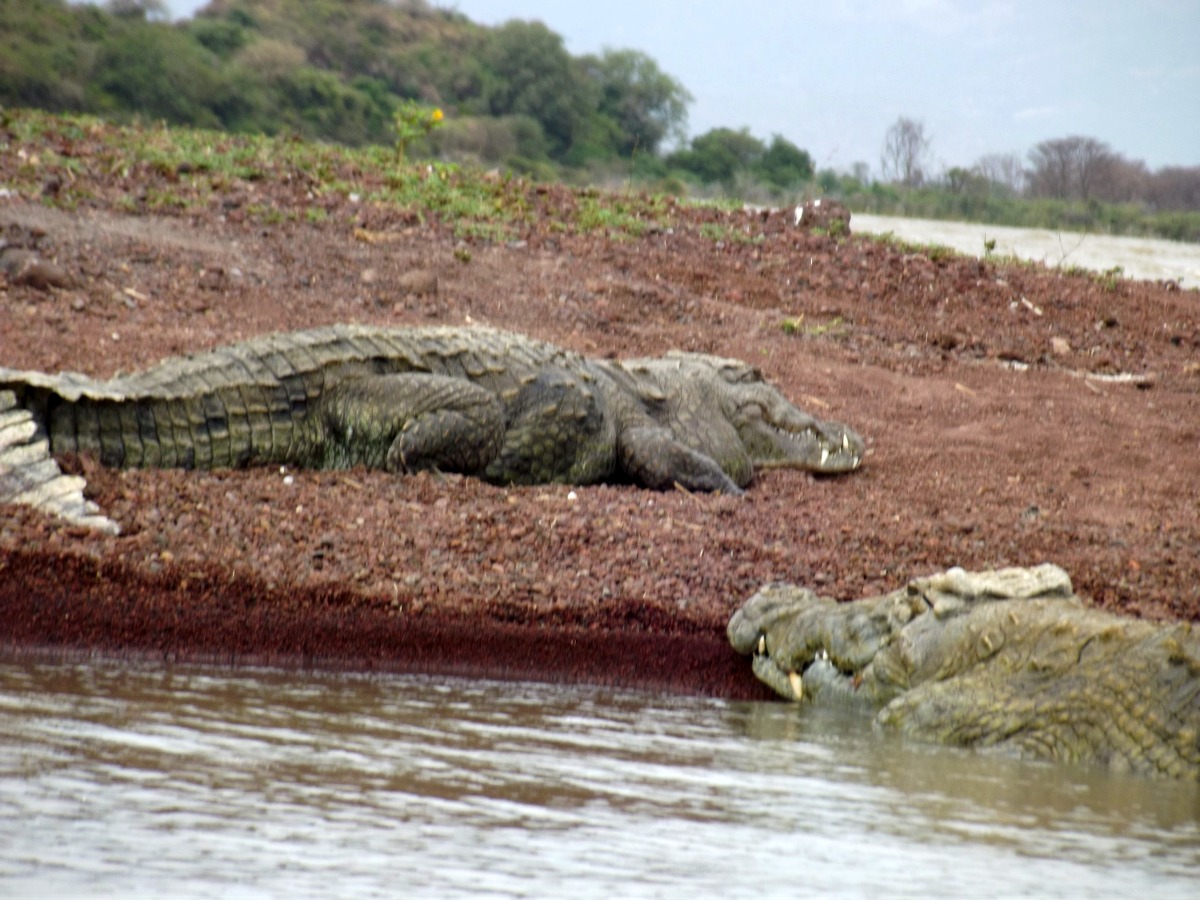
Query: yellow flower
436	116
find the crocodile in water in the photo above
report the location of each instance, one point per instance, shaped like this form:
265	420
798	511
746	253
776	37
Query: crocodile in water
1009	659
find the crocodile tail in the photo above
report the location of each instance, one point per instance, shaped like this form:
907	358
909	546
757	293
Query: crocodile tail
207	419
29	474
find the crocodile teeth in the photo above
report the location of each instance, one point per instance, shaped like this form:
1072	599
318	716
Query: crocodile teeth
762	644
824	455
797	685
823	655
845	442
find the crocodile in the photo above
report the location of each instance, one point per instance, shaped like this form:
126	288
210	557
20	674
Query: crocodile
505	407
1010	659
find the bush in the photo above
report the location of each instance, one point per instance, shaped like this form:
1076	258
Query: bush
158	72
784	165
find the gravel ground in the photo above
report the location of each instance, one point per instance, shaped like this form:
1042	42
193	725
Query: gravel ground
991	396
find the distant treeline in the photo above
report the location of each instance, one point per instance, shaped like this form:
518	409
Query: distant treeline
335	70
338	70
1075	182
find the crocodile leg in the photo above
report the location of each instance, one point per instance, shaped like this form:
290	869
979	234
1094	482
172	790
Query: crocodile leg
652	457
557	432
406	422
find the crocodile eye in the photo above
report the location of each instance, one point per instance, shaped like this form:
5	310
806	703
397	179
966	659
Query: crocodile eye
739	373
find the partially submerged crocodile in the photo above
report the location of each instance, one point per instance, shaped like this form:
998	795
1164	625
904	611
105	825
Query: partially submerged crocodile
501	406
1010	659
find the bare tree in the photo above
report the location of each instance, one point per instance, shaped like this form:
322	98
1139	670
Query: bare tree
905	147
1002	169
1093	161
1121	180
1051	175
1070	168
1174	187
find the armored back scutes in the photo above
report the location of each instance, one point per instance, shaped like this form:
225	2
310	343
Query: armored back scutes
245	403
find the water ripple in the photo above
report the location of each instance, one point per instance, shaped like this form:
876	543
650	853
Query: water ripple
119	779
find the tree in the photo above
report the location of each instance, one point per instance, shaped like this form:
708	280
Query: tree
784	165
1174	187
1003	170
646	104
964	181
536	77
156	71
1121	180
719	154
905	147
150	10
222	38
1069	168
1051	175
44	58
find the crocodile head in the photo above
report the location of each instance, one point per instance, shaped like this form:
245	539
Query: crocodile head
776	433
724	408
811	648
871	651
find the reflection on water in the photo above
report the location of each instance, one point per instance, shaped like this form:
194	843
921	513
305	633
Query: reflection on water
119	779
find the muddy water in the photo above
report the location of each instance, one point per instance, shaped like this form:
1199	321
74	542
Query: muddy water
119	779
1141	258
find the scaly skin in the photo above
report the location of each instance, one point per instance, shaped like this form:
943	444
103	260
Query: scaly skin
727	412
1009	659
501	406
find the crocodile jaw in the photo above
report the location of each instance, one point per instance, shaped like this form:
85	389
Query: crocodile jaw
818	679
825	447
780	628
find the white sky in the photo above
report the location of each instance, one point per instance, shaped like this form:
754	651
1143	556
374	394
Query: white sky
984	76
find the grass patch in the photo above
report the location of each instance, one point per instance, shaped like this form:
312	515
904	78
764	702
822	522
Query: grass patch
730	234
174	168
934	252
619	216
283	178
837	327
1109	279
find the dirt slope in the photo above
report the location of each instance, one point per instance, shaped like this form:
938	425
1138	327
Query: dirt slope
989	446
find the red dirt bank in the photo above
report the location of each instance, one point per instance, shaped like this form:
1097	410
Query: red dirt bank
988	446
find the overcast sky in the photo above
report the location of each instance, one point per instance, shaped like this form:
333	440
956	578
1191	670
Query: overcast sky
983	76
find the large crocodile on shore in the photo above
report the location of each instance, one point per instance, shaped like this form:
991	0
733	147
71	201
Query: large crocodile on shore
1009	659
501	406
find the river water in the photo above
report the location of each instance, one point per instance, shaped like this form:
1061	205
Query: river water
124	779
1141	258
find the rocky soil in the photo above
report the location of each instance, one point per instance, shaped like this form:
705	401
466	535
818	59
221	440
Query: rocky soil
1014	415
